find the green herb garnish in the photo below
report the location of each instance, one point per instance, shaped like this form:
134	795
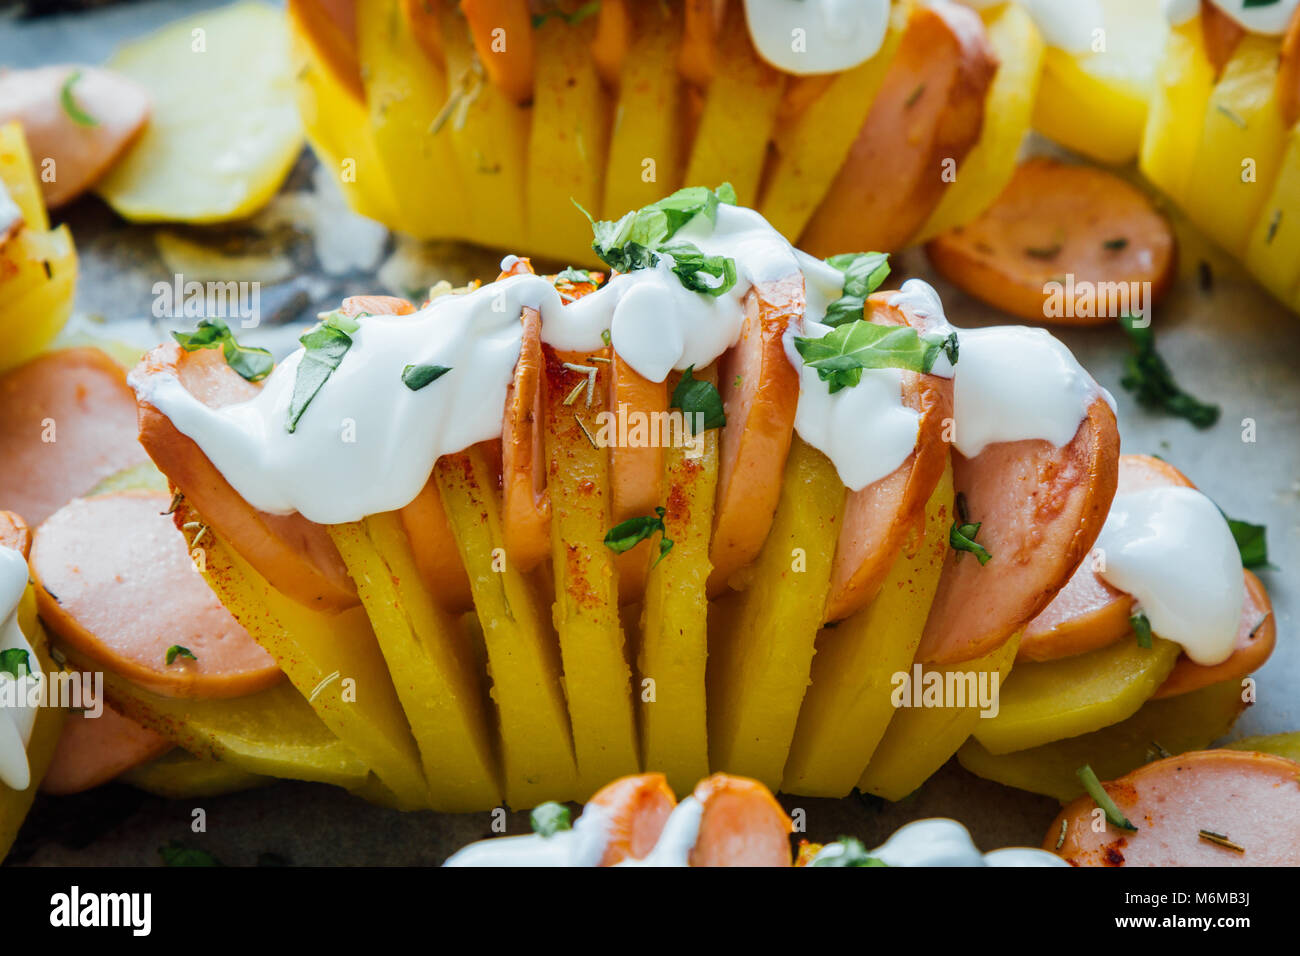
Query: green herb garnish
416	377
841	354
1099	795
852	854
626	535
641	238
961	536
1152	383
550	818
251	363
176	853
1116	244
698	396
69	102
577	16
326	344
1142	628
15	662
176	651
571	276
863	274
1252	542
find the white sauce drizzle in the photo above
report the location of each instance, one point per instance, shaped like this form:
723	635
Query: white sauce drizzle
16	718
1171	549
677	839
817	36
583	845
1266	20
944	842
1011	382
1067	24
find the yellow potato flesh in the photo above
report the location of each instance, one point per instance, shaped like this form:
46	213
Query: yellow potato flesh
19	177
431	661
761	650
523	657
1176	112
1284	745
223	130
1051	700
674	628
1095	102
919	740
848	707
1273	251
178	775
1175	724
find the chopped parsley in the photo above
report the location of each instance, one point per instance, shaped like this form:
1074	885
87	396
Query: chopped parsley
176	651
416	377
176	853
550	818
1252	542
571	276
69	102
626	535
1149	378
641	238
1142	628
251	363
961	536
1088	778
15	662
863	274
852	853
326	344
841	354
698	396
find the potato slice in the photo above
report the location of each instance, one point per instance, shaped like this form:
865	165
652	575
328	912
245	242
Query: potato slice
919	740
1095	102
224	131
1271	251
674	628
431	661
1284	745
1241	147
989	165
761	650
1184	79
848	706
523	658
19	177
1178	724
179	775
1051	700
36	298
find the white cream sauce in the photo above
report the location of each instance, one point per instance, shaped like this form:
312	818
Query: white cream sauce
16	721
1067	25
1171	549
1267	20
817	36
944	842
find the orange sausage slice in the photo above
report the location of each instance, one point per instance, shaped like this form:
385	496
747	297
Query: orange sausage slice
742	825
1252	799
375	305
1055	219
879	519
929	111
114	581
92	751
634	810
331	26
14	533
511	69
67	421
636	473
295	555
760	395
1088	613
1220	35
1288	73
526	505
697	56
81	151
1042	509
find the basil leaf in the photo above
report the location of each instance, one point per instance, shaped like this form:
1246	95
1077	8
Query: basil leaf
1152	383
571	276
416	377
626	535
841	354
695	396
176	853
854	854
1252	542
863	274
1088	777
252	364
726	193
1142	628
326	345
550	818
69	102
15	662
690	265
176	651
961	537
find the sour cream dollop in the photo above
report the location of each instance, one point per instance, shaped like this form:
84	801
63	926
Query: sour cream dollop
1172	549
16	718
944	842
817	36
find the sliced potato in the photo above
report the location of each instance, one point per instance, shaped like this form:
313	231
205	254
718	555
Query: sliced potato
1284	745
1184	79
224	131
179	775
1271	253
1176	725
